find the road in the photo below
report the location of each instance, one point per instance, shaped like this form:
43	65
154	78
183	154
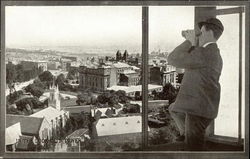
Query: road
18	86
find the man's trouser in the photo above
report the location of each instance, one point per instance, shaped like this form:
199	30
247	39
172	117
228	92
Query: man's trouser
193	128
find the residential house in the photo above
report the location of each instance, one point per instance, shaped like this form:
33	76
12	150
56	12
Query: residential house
30	126
12	135
117	130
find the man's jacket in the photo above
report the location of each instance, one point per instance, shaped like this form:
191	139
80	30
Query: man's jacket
199	93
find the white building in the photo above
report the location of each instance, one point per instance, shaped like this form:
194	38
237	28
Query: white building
12	135
118	126
131	90
170	75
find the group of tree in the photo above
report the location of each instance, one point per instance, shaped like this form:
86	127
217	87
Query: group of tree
34	90
81	120
112	97
73	73
108	98
169	93
24	105
86	99
63	84
46	78
20	102
131	108
16	73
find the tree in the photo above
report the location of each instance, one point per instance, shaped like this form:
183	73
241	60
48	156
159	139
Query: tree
34	90
158	137
72	74
169	92
131	108
68	126
137	95
16	95
46	76
38	83
11	73
33	102
20	73
60	80
104	97
114	99
122	96
85	118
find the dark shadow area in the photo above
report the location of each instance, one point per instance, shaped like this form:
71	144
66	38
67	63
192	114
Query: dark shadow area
211	146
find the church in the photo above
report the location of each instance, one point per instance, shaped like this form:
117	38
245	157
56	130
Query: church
53	113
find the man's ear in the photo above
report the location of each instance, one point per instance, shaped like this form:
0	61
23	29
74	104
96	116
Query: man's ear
211	32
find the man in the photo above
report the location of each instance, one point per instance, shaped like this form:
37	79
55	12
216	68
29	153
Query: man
197	102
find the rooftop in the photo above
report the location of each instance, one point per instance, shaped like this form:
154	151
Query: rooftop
135	68
37	61
129	89
102	110
128	71
49	113
119	125
121	65
80	133
29	124
78	109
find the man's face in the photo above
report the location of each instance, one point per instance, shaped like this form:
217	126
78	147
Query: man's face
204	36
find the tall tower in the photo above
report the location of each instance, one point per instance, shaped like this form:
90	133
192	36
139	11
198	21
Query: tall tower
54	99
125	56
118	55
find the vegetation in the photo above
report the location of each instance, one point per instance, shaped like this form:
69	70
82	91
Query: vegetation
34	90
169	93
24	106
87	99
113	98
47	78
16	73
61	81
131	108
20	103
81	120
11	73
73	73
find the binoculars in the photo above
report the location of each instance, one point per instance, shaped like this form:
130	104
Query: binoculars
184	33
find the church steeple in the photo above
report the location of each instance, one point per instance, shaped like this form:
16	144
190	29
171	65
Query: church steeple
54	99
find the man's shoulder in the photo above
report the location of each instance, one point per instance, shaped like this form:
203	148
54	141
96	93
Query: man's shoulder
212	46
211	51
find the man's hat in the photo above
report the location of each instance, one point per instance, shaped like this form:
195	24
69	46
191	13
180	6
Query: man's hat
213	21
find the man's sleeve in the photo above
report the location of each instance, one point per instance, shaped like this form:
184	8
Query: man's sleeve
181	56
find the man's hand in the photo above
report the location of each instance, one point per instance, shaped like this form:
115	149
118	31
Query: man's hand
190	36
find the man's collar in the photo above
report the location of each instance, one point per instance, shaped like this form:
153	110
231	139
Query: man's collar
208	43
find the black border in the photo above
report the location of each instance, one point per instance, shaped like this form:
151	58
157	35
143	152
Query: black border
145	154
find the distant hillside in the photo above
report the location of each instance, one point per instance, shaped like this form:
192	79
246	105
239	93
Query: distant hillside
26	51
46	52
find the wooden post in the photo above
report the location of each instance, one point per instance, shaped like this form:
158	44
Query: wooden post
144	77
201	14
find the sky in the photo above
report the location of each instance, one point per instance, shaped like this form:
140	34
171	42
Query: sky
95	26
